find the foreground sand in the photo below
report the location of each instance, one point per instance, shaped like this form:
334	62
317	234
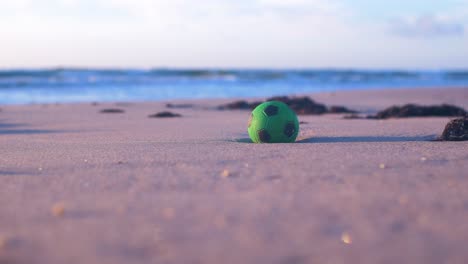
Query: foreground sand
77	186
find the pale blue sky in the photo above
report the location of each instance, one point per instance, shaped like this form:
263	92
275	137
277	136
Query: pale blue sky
412	34
381	8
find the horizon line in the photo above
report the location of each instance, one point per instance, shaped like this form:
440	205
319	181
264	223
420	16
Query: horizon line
175	68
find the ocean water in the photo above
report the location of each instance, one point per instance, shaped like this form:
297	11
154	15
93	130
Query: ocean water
92	85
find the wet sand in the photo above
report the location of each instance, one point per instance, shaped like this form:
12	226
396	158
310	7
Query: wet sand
80	186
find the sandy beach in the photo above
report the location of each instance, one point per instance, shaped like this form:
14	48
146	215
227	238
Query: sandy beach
80	186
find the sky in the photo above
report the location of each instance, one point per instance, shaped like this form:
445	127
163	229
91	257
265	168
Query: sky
366	34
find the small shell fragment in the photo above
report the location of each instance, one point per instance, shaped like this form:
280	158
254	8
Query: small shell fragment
3	241
346	238
58	209
225	173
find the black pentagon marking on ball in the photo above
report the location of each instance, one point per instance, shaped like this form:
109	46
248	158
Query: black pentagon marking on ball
289	129
264	136
271	110
250	120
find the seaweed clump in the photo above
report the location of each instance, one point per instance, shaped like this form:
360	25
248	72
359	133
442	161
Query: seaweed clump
412	110
456	130
165	114
301	105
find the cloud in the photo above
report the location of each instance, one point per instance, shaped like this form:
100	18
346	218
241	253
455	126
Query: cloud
183	33
426	26
186	10
224	33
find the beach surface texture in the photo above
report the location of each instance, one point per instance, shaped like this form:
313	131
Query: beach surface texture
83	185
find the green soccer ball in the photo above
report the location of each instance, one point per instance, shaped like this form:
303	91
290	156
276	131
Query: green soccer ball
273	122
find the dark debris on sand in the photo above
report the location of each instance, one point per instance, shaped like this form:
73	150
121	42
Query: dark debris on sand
456	130
180	106
340	110
112	111
239	105
412	110
353	116
301	105
165	115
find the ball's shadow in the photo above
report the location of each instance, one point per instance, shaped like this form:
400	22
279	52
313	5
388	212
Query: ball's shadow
243	140
356	139
249	141
367	139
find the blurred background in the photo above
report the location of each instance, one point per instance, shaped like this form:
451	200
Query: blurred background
138	50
